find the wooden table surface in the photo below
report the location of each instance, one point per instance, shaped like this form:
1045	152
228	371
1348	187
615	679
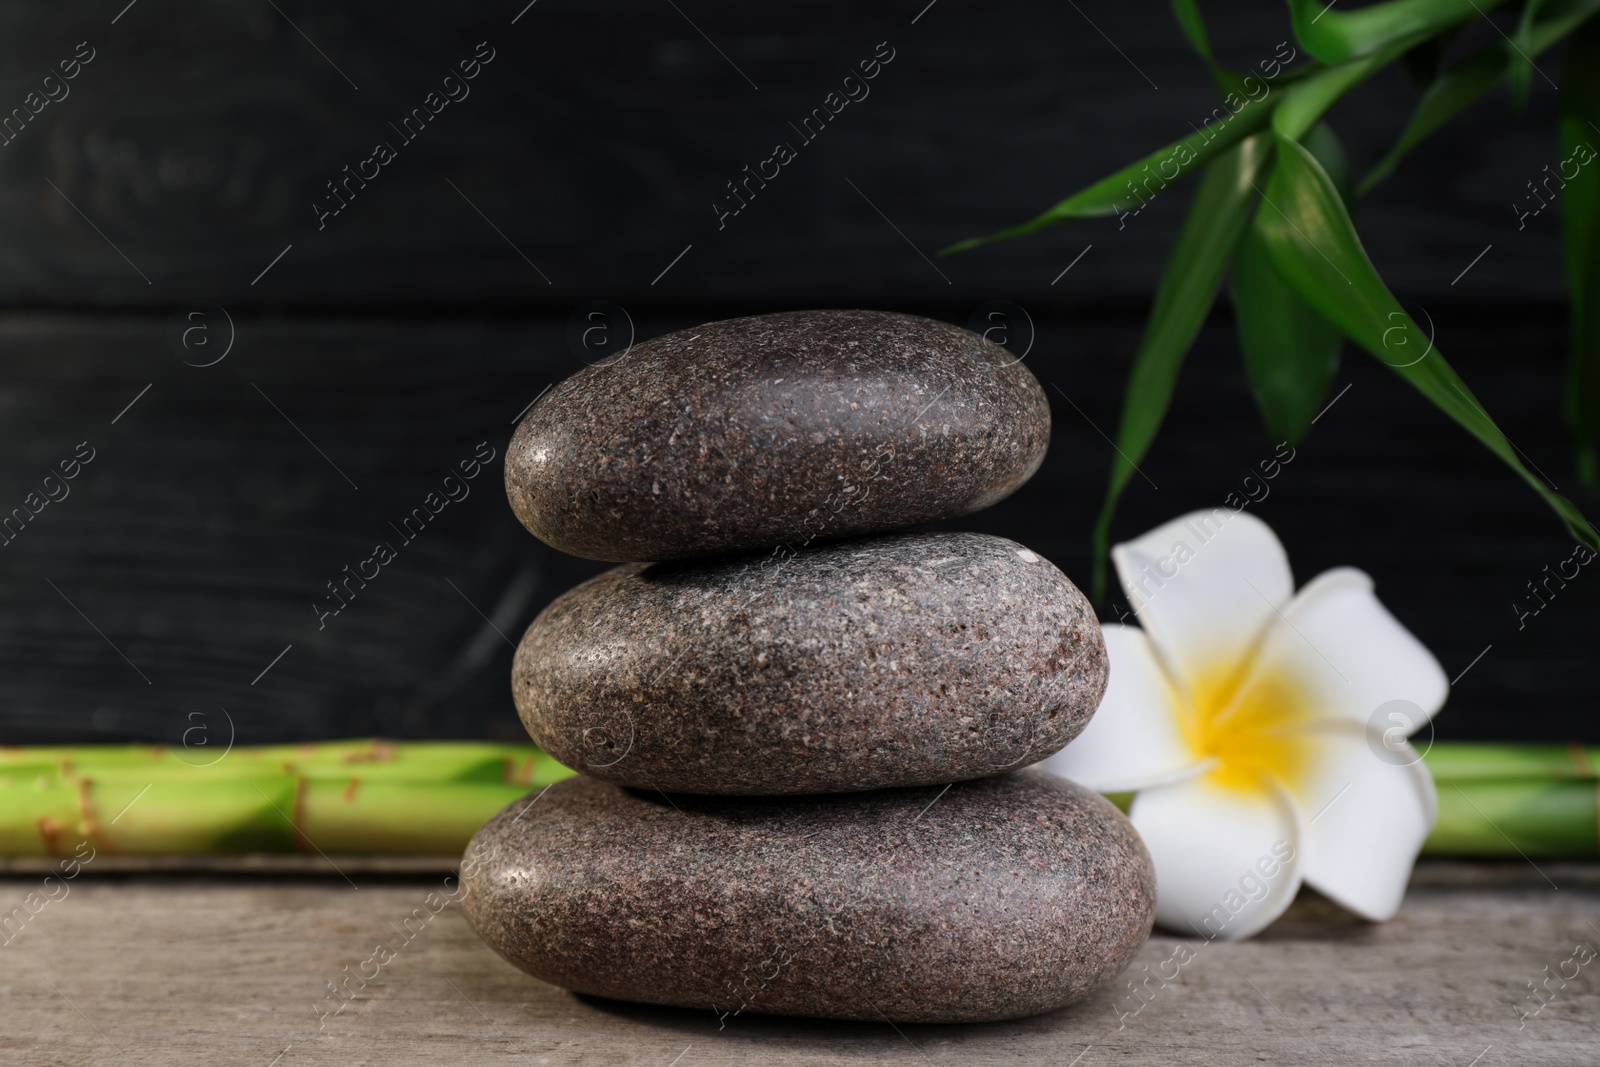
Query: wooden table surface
201	968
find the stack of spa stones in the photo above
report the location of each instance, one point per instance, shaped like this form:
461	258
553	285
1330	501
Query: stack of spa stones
797	731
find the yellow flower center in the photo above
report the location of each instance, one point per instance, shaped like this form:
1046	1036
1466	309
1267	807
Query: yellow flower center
1248	726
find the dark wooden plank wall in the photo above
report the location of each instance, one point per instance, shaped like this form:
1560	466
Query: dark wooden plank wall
599	137
205	528
192	147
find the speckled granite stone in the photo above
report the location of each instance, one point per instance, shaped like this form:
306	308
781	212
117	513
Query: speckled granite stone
901	660
1002	897
775	429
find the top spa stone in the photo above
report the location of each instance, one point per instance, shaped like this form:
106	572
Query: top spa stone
775	429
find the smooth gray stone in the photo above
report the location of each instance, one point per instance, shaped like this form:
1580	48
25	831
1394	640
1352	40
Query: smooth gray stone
775	429
901	660
993	899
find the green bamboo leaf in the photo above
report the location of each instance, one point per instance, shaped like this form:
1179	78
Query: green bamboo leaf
1457	88
1290	350
1313	243
1325	146
1447	97
1303	97
1119	195
1521	43
1194	28
1338	36
1240	115
1580	200
1304	104
1211	229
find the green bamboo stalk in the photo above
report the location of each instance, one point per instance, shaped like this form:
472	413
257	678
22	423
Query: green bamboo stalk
362	795
275	813
1532	800
372	760
54	816
1460	761
397	817
377	797
1517	817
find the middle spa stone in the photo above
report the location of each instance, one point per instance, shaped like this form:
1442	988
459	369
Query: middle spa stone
907	660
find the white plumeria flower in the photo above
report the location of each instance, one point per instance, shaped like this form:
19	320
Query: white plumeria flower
1240	714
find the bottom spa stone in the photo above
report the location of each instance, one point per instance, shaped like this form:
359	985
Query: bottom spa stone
987	899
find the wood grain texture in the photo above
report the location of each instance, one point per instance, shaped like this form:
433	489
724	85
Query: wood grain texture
162	970
590	151
200	536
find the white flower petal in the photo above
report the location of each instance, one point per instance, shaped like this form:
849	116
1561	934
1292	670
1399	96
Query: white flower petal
1368	808
1345	657
1227	859
1205	586
1135	739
